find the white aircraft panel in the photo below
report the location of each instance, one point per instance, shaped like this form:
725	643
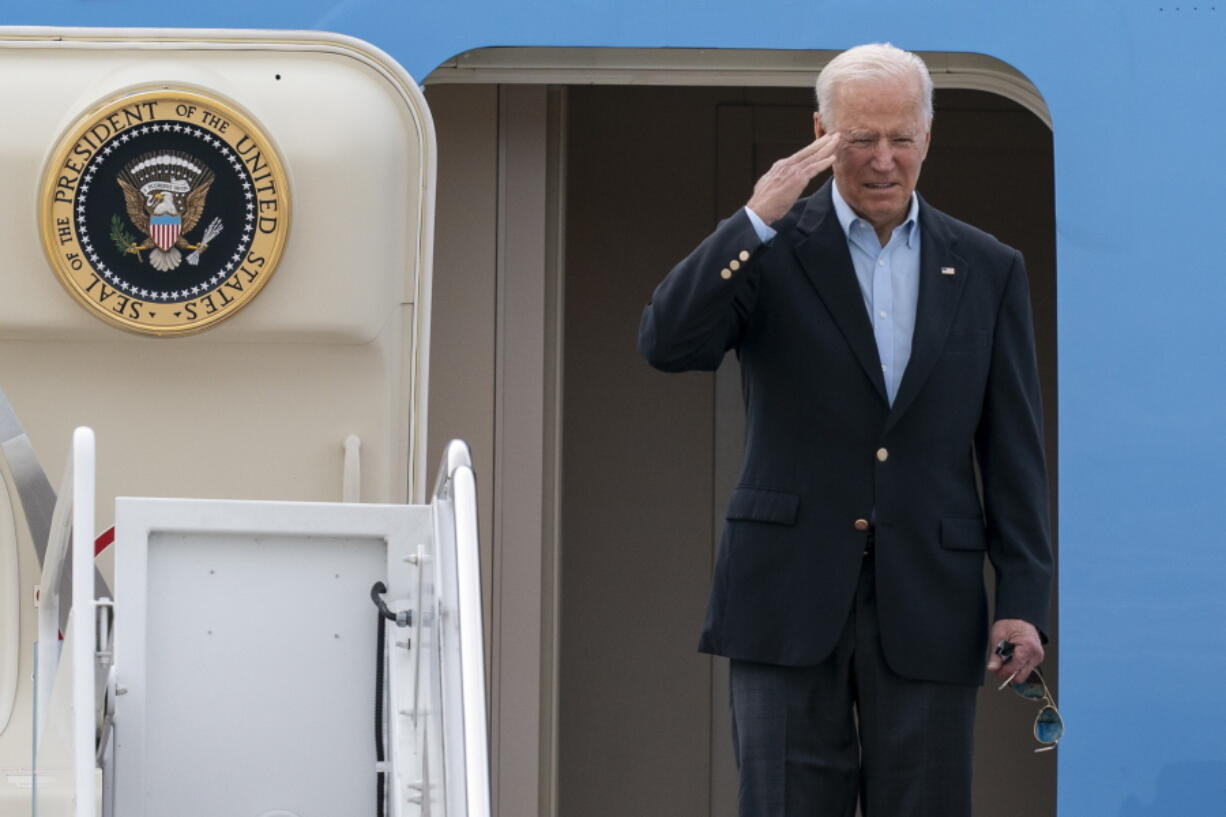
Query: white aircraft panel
248	651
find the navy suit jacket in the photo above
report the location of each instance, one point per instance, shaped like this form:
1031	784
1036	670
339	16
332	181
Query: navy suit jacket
824	448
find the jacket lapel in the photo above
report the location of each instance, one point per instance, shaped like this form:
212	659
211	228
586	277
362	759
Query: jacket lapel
823	254
939	295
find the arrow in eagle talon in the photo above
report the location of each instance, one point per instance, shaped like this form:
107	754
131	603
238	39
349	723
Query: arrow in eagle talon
212	232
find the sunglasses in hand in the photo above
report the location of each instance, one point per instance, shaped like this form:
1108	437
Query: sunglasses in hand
1048	725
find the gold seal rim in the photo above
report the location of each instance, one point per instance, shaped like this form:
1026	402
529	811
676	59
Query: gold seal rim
69	138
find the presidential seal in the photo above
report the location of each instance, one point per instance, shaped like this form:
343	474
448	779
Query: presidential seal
164	211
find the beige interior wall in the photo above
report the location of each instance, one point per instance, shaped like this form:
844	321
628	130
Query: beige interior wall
462	350
635	720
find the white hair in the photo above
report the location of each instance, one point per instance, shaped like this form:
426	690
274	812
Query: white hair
876	61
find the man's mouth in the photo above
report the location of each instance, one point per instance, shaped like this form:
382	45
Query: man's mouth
879	185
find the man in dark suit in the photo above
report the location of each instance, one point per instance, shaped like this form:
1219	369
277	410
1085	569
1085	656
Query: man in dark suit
893	441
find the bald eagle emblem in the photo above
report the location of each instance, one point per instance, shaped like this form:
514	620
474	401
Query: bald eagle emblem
164	194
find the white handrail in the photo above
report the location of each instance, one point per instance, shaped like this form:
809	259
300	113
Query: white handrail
83	721
455	492
455	455
472	647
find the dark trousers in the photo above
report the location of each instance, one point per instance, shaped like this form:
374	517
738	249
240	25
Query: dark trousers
810	741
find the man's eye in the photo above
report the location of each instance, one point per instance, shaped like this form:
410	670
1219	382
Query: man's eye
903	140
860	141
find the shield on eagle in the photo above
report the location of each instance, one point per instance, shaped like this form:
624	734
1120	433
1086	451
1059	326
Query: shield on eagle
164	230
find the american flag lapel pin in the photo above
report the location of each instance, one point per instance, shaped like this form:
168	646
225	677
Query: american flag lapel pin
948	271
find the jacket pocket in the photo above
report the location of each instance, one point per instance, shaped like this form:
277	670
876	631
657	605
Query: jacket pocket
963	533
763	505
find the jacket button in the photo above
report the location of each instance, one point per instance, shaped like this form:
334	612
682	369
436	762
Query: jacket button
725	273
734	265
882	455
860	524
744	256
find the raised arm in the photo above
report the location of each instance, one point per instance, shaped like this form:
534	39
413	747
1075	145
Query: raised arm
701	309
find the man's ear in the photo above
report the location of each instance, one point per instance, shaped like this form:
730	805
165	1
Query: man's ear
818	130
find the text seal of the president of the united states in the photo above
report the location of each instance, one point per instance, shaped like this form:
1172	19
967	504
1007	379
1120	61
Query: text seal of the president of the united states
164	211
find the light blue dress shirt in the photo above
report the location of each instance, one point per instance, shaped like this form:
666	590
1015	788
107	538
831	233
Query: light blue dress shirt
888	278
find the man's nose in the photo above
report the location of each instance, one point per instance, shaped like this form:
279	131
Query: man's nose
883	155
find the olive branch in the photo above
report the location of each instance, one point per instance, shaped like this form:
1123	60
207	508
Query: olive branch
120	236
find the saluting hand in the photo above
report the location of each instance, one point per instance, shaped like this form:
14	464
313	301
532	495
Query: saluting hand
781	186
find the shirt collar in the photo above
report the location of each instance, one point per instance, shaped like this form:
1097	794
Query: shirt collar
847	217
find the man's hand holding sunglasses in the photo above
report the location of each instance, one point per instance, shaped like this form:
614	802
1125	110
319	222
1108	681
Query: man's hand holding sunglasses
1030	684
1025	651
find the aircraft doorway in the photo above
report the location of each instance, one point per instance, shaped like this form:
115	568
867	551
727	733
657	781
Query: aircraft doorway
648	459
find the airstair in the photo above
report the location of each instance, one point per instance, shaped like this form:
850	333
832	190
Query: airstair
263	658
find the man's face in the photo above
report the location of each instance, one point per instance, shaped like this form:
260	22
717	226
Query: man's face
883	145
